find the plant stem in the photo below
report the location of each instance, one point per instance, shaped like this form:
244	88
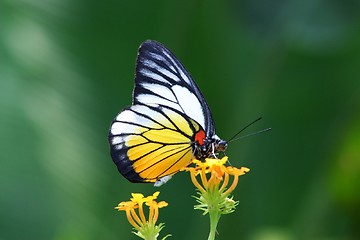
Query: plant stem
214	219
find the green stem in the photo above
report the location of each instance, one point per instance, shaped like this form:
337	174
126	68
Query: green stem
214	219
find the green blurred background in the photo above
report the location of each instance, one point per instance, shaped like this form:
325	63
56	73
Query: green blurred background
67	68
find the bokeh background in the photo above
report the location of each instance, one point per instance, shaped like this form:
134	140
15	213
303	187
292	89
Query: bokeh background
67	68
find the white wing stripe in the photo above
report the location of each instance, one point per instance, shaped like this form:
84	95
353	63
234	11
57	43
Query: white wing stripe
189	103
162	59
117	140
153	65
152	99
150	63
169	74
155	115
126	128
128	115
159	90
126	123
157	77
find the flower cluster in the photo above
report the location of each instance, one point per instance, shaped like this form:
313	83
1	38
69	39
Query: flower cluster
146	227
213	180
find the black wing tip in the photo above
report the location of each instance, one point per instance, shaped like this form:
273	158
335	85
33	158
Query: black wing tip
149	45
150	42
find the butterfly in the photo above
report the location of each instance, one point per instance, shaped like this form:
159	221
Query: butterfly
168	124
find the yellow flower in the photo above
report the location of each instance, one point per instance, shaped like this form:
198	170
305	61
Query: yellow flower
145	226
212	172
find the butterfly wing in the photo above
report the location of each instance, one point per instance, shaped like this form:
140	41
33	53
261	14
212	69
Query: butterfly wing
153	138
162	79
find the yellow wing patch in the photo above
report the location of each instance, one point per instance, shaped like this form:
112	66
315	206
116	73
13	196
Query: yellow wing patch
164	164
133	140
179	121
137	152
154	142
157	156
166	136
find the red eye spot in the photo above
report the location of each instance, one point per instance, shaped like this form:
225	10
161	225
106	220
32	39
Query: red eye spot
199	137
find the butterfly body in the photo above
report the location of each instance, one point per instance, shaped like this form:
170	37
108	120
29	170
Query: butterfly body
168	124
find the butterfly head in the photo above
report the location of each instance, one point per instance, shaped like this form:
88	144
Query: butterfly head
220	145
207	147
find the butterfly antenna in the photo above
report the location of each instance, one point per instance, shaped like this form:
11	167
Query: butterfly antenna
250	134
233	137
